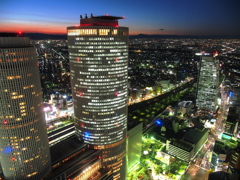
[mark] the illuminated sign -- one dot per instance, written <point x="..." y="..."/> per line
<point x="226" y="137"/>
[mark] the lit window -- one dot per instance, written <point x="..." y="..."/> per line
<point x="114" y="32"/>
<point x="10" y="77"/>
<point x="104" y="31"/>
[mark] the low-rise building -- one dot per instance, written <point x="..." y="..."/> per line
<point x="186" y="107"/>
<point x="188" y="146"/>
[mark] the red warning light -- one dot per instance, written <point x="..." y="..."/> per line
<point x="19" y="32"/>
<point x="78" y="59"/>
<point x="106" y="14"/>
<point x="116" y="93"/>
<point x="116" y="59"/>
<point x="13" y="158"/>
<point x="99" y="157"/>
<point x="5" y="122"/>
<point x="82" y="125"/>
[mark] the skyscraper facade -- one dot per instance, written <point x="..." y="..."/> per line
<point x="24" y="149"/>
<point x="98" y="51"/>
<point x="208" y="81"/>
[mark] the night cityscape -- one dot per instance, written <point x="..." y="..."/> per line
<point x="127" y="91"/>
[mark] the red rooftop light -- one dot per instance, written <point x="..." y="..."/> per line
<point x="5" y="122"/>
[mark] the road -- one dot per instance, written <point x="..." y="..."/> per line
<point x="200" y="169"/>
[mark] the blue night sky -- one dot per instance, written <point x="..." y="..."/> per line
<point x="175" y="17"/>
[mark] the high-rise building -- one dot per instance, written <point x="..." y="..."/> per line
<point x="24" y="149"/>
<point x="208" y="81"/>
<point x="98" y="51"/>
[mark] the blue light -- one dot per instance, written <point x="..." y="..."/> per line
<point x="231" y="94"/>
<point x="8" y="150"/>
<point x="158" y="122"/>
<point x="86" y="134"/>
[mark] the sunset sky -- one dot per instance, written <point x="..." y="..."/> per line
<point x="172" y="17"/>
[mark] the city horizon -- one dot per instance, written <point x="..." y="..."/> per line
<point x="201" y="18"/>
<point x="86" y="95"/>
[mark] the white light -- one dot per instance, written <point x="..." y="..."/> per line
<point x="145" y="152"/>
<point x="46" y="109"/>
<point x="57" y="123"/>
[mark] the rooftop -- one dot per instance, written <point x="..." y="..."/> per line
<point x="65" y="148"/>
<point x="194" y="135"/>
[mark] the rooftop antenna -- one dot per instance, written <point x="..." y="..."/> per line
<point x="80" y="16"/>
<point x="91" y="15"/>
<point x="86" y="16"/>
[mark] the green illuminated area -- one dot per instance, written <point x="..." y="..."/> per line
<point x="147" y="112"/>
<point x="58" y="123"/>
<point x="155" y="164"/>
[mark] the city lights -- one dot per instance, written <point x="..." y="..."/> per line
<point x="101" y="103"/>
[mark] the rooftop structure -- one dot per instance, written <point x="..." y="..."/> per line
<point x="100" y="21"/>
<point x="194" y="135"/>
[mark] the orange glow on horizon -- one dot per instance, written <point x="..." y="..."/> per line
<point x="62" y="30"/>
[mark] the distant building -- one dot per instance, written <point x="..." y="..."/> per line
<point x="186" y="107"/>
<point x="163" y="83"/>
<point x="98" y="53"/>
<point x="208" y="81"/>
<point x="24" y="143"/>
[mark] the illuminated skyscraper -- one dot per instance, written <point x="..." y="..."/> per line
<point x="24" y="150"/>
<point x="208" y="81"/>
<point x="98" y="52"/>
